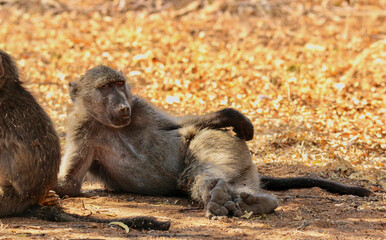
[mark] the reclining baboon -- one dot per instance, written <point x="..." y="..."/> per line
<point x="133" y="147"/>
<point x="30" y="156"/>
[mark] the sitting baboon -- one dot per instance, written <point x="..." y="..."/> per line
<point x="29" y="146"/>
<point x="30" y="155"/>
<point x="133" y="147"/>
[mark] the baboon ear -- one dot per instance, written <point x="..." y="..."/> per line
<point x="74" y="90"/>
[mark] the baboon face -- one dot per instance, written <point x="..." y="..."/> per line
<point x="105" y="96"/>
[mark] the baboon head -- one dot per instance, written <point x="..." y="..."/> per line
<point x="8" y="70"/>
<point x="104" y="94"/>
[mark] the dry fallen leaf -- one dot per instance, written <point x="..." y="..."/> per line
<point x="122" y="225"/>
<point x="247" y="215"/>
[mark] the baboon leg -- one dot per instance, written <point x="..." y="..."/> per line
<point x="214" y="159"/>
<point x="216" y="155"/>
<point x="16" y="192"/>
<point x="98" y="171"/>
<point x="19" y="188"/>
<point x="11" y="202"/>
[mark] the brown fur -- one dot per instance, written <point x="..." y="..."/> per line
<point x="29" y="146"/>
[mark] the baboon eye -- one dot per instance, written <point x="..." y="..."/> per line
<point x="107" y="85"/>
<point x="120" y="83"/>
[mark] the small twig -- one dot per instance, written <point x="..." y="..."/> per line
<point x="303" y="225"/>
<point x="84" y="207"/>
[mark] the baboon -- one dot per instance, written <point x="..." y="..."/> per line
<point x="30" y="155"/>
<point x="29" y="146"/>
<point x="133" y="147"/>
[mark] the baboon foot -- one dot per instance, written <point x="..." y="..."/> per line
<point x="51" y="199"/>
<point x="220" y="203"/>
<point x="256" y="203"/>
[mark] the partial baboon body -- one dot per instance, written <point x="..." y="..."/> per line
<point x="133" y="147"/>
<point x="29" y="146"/>
<point x="30" y="155"/>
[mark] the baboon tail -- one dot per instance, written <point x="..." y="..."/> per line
<point x="57" y="214"/>
<point x="277" y="184"/>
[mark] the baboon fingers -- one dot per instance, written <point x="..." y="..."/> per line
<point x="51" y="193"/>
<point x="220" y="194"/>
<point x="214" y="209"/>
<point x="221" y="203"/>
<point x="51" y="199"/>
<point x="233" y="208"/>
<point x="249" y="198"/>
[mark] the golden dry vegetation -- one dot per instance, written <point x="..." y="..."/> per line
<point x="309" y="74"/>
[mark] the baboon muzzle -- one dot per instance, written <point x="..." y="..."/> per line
<point x="123" y="111"/>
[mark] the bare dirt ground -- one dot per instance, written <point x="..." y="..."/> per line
<point x="302" y="214"/>
<point x="309" y="74"/>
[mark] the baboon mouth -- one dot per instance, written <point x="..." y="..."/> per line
<point x="120" y="122"/>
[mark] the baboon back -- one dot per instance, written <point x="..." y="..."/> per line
<point x="29" y="146"/>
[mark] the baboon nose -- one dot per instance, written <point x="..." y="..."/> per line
<point x="124" y="112"/>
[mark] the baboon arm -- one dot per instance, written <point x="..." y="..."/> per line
<point x="75" y="164"/>
<point x="227" y="117"/>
